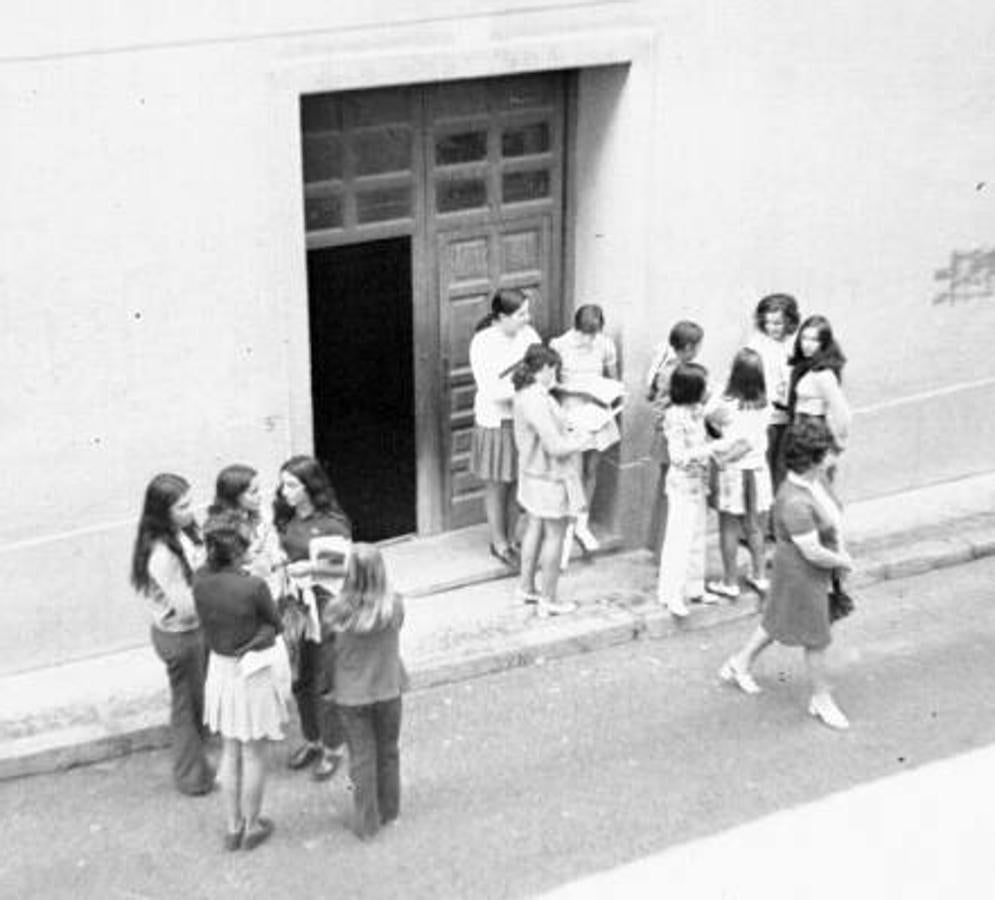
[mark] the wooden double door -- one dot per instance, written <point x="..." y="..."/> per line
<point x="470" y="174"/>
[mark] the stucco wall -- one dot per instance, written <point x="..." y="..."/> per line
<point x="152" y="286"/>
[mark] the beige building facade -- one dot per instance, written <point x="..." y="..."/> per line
<point x="233" y="237"/>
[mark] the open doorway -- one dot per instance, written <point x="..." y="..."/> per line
<point x="362" y="381"/>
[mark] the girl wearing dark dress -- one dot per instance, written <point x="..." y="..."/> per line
<point x="306" y="508"/>
<point x="809" y="547"/>
<point x="166" y="551"/>
<point x="248" y="677"/>
<point x="369" y="677"/>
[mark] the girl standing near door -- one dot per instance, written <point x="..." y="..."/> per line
<point x="498" y="345"/>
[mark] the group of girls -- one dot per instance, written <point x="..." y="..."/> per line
<point x="533" y="451"/>
<point x="222" y="597"/>
<point x="730" y="448"/>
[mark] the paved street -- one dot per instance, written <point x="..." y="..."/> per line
<point x="519" y="783"/>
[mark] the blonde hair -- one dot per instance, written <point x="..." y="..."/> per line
<point x="366" y="602"/>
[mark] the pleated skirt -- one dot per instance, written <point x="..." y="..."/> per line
<point x="246" y="699"/>
<point x="493" y="455"/>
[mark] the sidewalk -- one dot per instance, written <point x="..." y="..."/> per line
<point x="462" y="623"/>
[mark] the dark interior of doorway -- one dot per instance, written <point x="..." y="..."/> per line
<point x="362" y="381"/>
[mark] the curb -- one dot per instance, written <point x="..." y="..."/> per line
<point x="599" y="626"/>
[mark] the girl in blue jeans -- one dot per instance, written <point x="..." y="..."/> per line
<point x="369" y="678"/>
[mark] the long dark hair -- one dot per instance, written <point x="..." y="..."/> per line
<point x="156" y="524"/>
<point x="505" y="302"/>
<point x="536" y="358"/>
<point x="232" y="482"/>
<point x="828" y="356"/>
<point x="309" y="472"/>
<point x="746" y="380"/>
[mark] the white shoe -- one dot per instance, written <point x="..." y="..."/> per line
<point x="585" y="536"/>
<point x="761" y="585"/>
<point x="724" y="590"/>
<point x="732" y="674"/>
<point x="678" y="609"/>
<point x="824" y="707"/>
<point x="546" y="608"/>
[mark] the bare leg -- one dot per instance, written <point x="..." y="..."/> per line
<point x="531" y="539"/>
<point x="822" y="704"/>
<point x="230" y="776"/>
<point x="592" y="459"/>
<point x="815" y="662"/>
<point x="253" y="781"/>
<point x="753" y="525"/>
<point x="754" y="646"/>
<point x="553" y="532"/>
<point x="512" y="519"/>
<point x="495" y="501"/>
<point x="729" y="546"/>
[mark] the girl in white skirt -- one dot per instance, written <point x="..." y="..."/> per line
<point x="744" y="496"/>
<point x="248" y="675"/>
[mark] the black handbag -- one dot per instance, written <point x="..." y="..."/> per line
<point x="840" y="602"/>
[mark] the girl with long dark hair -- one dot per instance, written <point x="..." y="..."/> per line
<point x="167" y="549"/>
<point x="816" y="382"/>
<point x="237" y="491"/>
<point x="305" y="508"/>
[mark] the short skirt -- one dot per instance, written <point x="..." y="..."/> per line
<point x="744" y="492"/>
<point x="246" y="699"/>
<point x="493" y="455"/>
<point x="551" y="498"/>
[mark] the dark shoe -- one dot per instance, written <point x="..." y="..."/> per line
<point x="507" y="556"/>
<point x="259" y="835"/>
<point x="233" y="839"/>
<point x="303" y="756"/>
<point x="327" y="766"/>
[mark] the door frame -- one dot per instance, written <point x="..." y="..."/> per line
<point x="442" y="56"/>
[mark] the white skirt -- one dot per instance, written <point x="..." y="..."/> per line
<point x="246" y="699"/>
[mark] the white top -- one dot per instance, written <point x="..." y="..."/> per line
<point x="777" y="372"/>
<point x="583" y="357"/>
<point x="749" y="425"/>
<point x="820" y="394"/>
<point x="170" y="597"/>
<point x="492" y="355"/>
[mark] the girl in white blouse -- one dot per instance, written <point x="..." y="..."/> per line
<point x="498" y="345"/>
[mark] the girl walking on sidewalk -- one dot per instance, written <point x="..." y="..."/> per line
<point x="167" y="549"/>
<point x="807" y="521"/>
<point x="366" y="618"/>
